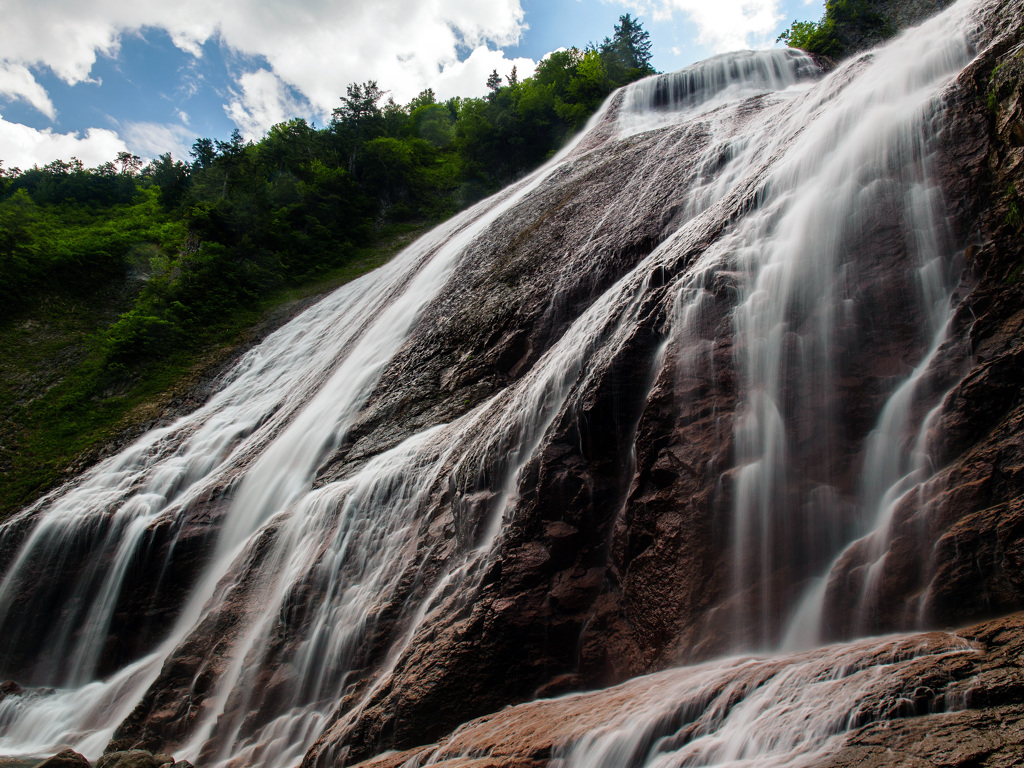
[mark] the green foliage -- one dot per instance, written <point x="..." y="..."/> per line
<point x="627" y="54"/>
<point x="71" y="247"/>
<point x="1004" y="81"/>
<point x="845" y="22"/>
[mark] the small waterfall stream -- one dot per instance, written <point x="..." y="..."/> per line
<point x="307" y="580"/>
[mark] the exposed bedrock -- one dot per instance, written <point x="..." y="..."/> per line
<point x="951" y="700"/>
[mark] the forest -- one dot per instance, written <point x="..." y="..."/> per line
<point x="145" y="265"/>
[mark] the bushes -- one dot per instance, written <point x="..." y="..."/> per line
<point x="73" y="248"/>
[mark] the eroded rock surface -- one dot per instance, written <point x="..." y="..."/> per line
<point x="944" y="700"/>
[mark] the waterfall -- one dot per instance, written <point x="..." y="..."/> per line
<point x="289" y="569"/>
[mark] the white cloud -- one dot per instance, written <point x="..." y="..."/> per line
<point x="314" y="46"/>
<point x="17" y="82"/>
<point x="722" y="25"/>
<point x="469" y="77"/>
<point x="147" y="140"/>
<point x="24" y="147"/>
<point x="265" y="101"/>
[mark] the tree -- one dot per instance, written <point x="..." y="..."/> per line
<point x="130" y="164"/>
<point x="628" y="49"/>
<point x="171" y="177"/>
<point x="203" y="152"/>
<point x="425" y="98"/>
<point x="513" y="78"/>
<point x="359" y="103"/>
<point x="232" y="148"/>
<point x="493" y="81"/>
<point x="357" y="115"/>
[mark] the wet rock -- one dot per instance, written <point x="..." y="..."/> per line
<point x="10" y="688"/>
<point x="644" y="583"/>
<point x="66" y="758"/>
<point x="134" y="758"/>
<point x="933" y="707"/>
<point x="618" y="553"/>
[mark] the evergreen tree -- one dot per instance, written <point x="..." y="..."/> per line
<point x="358" y="115"/>
<point x="203" y="153"/>
<point x="425" y="98"/>
<point x="629" y="48"/>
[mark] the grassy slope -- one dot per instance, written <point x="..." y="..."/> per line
<point x="56" y="417"/>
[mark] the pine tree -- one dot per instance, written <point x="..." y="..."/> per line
<point x="630" y="47"/>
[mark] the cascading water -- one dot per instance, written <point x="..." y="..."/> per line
<point x="871" y="148"/>
<point x="304" y="586"/>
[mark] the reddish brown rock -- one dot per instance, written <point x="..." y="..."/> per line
<point x="935" y="707"/>
<point x="66" y="758"/>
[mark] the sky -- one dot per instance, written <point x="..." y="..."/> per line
<point x="91" y="78"/>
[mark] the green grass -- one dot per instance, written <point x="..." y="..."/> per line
<point x="60" y="402"/>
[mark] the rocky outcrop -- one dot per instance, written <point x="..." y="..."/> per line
<point x="134" y="758"/>
<point x="954" y="549"/>
<point x="631" y="488"/>
<point x="945" y="700"/>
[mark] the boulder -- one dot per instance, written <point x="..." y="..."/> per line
<point x="134" y="758"/>
<point x="66" y="758"/>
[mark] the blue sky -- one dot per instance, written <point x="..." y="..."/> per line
<point x="90" y="78"/>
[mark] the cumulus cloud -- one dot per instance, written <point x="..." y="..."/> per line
<point x="264" y="101"/>
<point x="16" y="82"/>
<point x="312" y="49"/>
<point x="315" y="47"/>
<point x="469" y="77"/>
<point x="24" y="146"/>
<point x="722" y="25"/>
<point x="147" y="140"/>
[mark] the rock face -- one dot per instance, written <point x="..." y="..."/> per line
<point x="945" y="700"/>
<point x="745" y="377"/>
<point x="134" y="758"/>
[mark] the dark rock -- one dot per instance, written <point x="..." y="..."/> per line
<point x="66" y="758"/>
<point x="618" y="555"/>
<point x="10" y="688"/>
<point x="133" y="758"/>
<point x="951" y="705"/>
